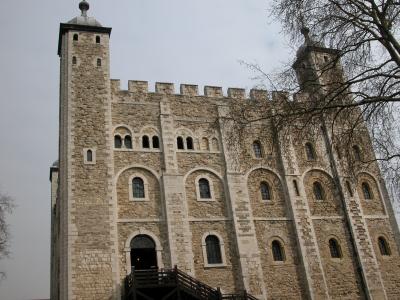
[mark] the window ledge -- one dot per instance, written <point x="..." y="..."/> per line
<point x="139" y="199"/>
<point x="210" y="266"/>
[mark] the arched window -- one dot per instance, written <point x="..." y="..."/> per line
<point x="318" y="191"/>
<point x="138" y="187"/>
<point x="310" y="151"/>
<point x="204" y="144"/>
<point x="215" y="145"/>
<point x="366" y="191"/>
<point x="349" y="190"/>
<point x="265" y="191"/>
<point x="204" y="189"/>
<point x="76" y="37"/>
<point x="257" y="149"/>
<point x="145" y="142"/>
<point x="179" y="143"/>
<point x="128" y="142"/>
<point x="117" y="141"/>
<point x="357" y="153"/>
<point x="334" y="248"/>
<point x="213" y="249"/>
<point x="97" y="39"/>
<point x="277" y="251"/>
<point x="383" y="246"/>
<point x="296" y="188"/>
<point x="189" y="143"/>
<point x="89" y="156"/>
<point x="156" y="142"/>
<point x="99" y="62"/>
<point x="74" y="60"/>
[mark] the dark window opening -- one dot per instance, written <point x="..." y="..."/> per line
<point x="296" y="188"/>
<point x="334" y="248"/>
<point x="357" y="153"/>
<point x="74" y="60"/>
<point x="383" y="246"/>
<point x="89" y="156"/>
<point x="339" y="154"/>
<point x="76" y="37"/>
<point x="257" y="149"/>
<point x="349" y="190"/>
<point x="213" y="250"/>
<point x="277" y="251"/>
<point x="326" y="58"/>
<point x="204" y="188"/>
<point x="97" y="39"/>
<point x="128" y="142"/>
<point x="145" y="142"/>
<point x="318" y="191"/>
<point x="138" y="187"/>
<point x="265" y="191"/>
<point x="179" y="142"/>
<point x="366" y="191"/>
<point x="189" y="143"/>
<point x="117" y="141"/>
<point x="156" y="142"/>
<point x="310" y="151"/>
<point x="143" y="253"/>
<point x="99" y="62"/>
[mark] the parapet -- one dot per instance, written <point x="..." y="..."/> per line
<point x="192" y="90"/>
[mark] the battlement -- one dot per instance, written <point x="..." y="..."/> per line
<point x="165" y="88"/>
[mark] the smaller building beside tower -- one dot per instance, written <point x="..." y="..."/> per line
<point x="147" y="185"/>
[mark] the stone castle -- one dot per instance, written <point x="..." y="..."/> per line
<point x="147" y="181"/>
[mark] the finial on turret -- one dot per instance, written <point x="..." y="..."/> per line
<point x="84" y="7"/>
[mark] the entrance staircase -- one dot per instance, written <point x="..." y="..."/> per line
<point x="173" y="284"/>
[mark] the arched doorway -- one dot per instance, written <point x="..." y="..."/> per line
<point x="143" y="253"/>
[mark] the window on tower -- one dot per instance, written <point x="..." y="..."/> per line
<point x="97" y="39"/>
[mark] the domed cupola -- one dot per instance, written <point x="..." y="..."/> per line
<point x="84" y="19"/>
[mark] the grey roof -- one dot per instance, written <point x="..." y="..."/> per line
<point x="83" y="19"/>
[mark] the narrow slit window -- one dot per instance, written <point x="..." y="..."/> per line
<point x="189" y="143"/>
<point x="74" y="60"/>
<point x="366" y="191"/>
<point x="296" y="188"/>
<point x="128" y="142"/>
<point x="310" y="151"/>
<point x="156" y="142"/>
<point x="76" y="37"/>
<point x="213" y="249"/>
<point x="318" y="191"/>
<point x="179" y="143"/>
<point x="145" y="142"/>
<point x="277" y="251"/>
<point x="138" y="187"/>
<point x="204" y="188"/>
<point x="257" y="149"/>
<point x="89" y="156"/>
<point x="383" y="246"/>
<point x="99" y="62"/>
<point x="117" y="142"/>
<point x="97" y="39"/>
<point x="357" y="153"/>
<point x="349" y="190"/>
<point x="265" y="191"/>
<point x="334" y="249"/>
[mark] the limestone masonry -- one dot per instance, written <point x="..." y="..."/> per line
<point x="147" y="180"/>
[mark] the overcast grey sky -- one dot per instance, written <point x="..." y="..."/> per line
<point x="198" y="41"/>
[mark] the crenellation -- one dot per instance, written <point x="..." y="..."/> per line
<point x="189" y="90"/>
<point x="236" y="93"/>
<point x="165" y="88"/>
<point x="213" y="91"/>
<point x="257" y="94"/>
<point x="137" y="86"/>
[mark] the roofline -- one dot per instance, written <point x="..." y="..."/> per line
<point x="316" y="49"/>
<point x="65" y="27"/>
